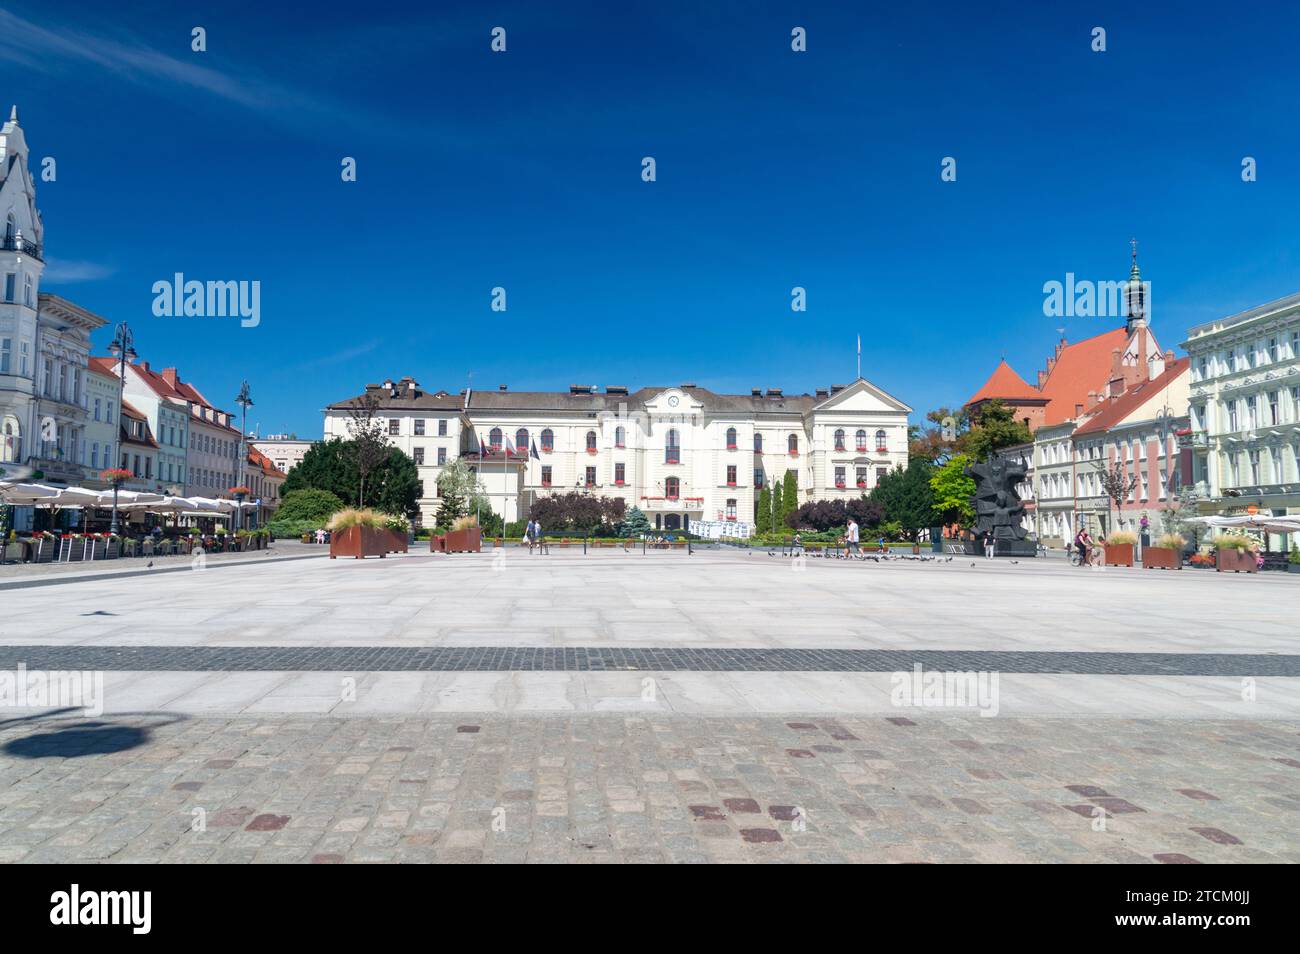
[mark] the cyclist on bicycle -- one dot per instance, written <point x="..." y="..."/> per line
<point x="1083" y="543"/>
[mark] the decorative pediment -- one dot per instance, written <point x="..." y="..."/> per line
<point x="862" y="396"/>
<point x="674" y="401"/>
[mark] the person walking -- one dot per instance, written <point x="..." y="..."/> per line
<point x="851" y="540"/>
<point x="528" y="534"/>
<point x="990" y="545"/>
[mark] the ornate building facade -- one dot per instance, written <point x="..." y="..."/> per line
<point x="681" y="454"/>
<point x="1244" y="434"/>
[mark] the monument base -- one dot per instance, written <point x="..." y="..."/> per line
<point x="1004" y="548"/>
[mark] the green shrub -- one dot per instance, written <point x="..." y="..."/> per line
<point x="354" y="517"/>
<point x="294" y="528"/>
<point x="309" y="504"/>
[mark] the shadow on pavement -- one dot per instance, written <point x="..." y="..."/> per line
<point x="84" y="736"/>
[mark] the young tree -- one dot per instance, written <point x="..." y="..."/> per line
<point x="1116" y="484"/>
<point x="635" y="524"/>
<point x="789" y="497"/>
<point x="368" y="444"/>
<point x="776" y="522"/>
<point x="763" y="511"/>
<point x="995" y="429"/>
<point x="953" y="492"/>
<point x="459" y="493"/>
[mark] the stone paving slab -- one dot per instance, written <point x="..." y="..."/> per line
<point x="647" y="788"/>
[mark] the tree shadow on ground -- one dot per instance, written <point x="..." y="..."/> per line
<point x="83" y="737"/>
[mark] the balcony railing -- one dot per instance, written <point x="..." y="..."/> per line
<point x="14" y="243"/>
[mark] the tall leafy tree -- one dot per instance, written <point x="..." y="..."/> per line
<point x="907" y="498"/>
<point x="954" y="491"/>
<point x="325" y="466"/>
<point x="995" y="429"/>
<point x="778" y="508"/>
<point x="943" y="436"/>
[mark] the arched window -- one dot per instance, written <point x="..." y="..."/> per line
<point x="591" y="442"/>
<point x="521" y="439"/>
<point x="672" y="488"/>
<point x="880" y="441"/>
<point x="731" y="438"/>
<point x="548" y="440"/>
<point x="839" y="440"/>
<point x="494" y="439"/>
<point x="861" y="437"/>
<point x="11" y="441"/>
<point x="758" y="443"/>
<point x="620" y="437"/>
<point x="792" y="445"/>
<point x="672" y="448"/>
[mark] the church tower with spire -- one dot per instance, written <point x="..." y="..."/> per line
<point x="1136" y="300"/>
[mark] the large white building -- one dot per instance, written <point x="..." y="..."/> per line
<point x="681" y="453"/>
<point x="44" y="339"/>
<point x="1245" y="409"/>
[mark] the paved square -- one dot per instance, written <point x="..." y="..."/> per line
<point x="619" y="706"/>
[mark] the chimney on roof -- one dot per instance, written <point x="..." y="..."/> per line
<point x="1116" y="366"/>
<point x="388" y="383"/>
<point x="689" y="384"/>
<point x="823" y="392"/>
<point x="774" y="392"/>
<point x="503" y="387"/>
<point x="144" y="365"/>
<point x="1169" y="358"/>
<point x="835" y="388"/>
<point x="582" y="388"/>
<point x="1078" y="410"/>
<point x="1093" y="399"/>
<point x="171" y="377"/>
<point x="756" y="392"/>
<point x="616" y="389"/>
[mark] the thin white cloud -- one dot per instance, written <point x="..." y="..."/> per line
<point x="33" y="46"/>
<point x="66" y="272"/>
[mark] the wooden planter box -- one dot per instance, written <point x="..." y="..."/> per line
<point x="1235" y="561"/>
<point x="469" y="540"/>
<point x="1119" y="555"/>
<point x="1162" y="558"/>
<point x="437" y="543"/>
<point x="397" y="542"/>
<point x="359" y="542"/>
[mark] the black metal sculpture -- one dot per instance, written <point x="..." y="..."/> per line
<point x="998" y="507"/>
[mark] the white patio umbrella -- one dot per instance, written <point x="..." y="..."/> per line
<point x="129" y="497"/>
<point x="75" y="497"/>
<point x="14" y="494"/>
<point x="1268" y="524"/>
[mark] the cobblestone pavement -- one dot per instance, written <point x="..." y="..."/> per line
<point x="595" y="659"/>
<point x="607" y="788"/>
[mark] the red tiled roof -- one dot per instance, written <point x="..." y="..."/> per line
<point x="258" y="459"/>
<point x="1006" y="385"/>
<point x="1081" y="367"/>
<point x="1114" y="412"/>
<point x="130" y="411"/>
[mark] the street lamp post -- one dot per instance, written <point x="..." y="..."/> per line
<point x="120" y="348"/>
<point x="245" y="401"/>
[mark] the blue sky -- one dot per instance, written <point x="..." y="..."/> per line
<point x="775" y="169"/>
